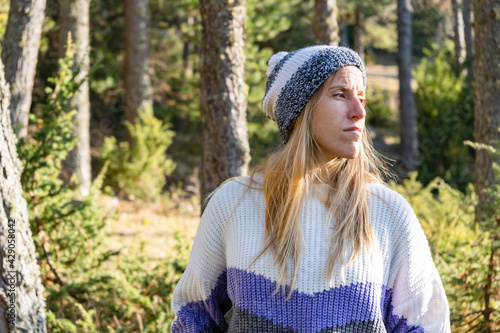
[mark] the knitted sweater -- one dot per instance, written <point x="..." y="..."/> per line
<point x="395" y="288"/>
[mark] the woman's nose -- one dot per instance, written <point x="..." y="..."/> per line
<point x="357" y="109"/>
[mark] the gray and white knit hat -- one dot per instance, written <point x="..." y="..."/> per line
<point x="294" y="77"/>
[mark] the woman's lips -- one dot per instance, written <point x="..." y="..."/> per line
<point x="353" y="129"/>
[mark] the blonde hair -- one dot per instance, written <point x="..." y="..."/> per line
<point x="291" y="172"/>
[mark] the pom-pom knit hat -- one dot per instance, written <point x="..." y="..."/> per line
<point x="294" y="77"/>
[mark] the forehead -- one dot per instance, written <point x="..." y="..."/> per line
<point x="349" y="76"/>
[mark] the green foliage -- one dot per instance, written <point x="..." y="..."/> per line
<point x="60" y="219"/>
<point x="462" y="249"/>
<point x="141" y="169"/>
<point x="486" y="248"/>
<point x="378" y="19"/>
<point x="445" y="118"/>
<point x="82" y="293"/>
<point x="4" y="10"/>
<point x="134" y="296"/>
<point x="270" y="28"/>
<point x="427" y="17"/>
<point x="68" y="230"/>
<point x="380" y="114"/>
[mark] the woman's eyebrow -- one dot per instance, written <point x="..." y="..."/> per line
<point x="344" y="86"/>
<point x="340" y="86"/>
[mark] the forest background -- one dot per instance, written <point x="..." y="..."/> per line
<point x="110" y="248"/>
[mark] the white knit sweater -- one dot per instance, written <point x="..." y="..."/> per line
<point x="394" y="289"/>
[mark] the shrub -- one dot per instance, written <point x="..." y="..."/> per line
<point x="445" y="118"/>
<point x="380" y="114"/>
<point x="140" y="170"/>
<point x="463" y="251"/>
<point x="68" y="230"/>
<point x="82" y="294"/>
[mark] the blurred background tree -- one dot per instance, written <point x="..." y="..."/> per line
<point x="74" y="29"/>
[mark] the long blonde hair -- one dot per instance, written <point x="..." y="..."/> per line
<point x="291" y="172"/>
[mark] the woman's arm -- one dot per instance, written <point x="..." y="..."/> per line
<point x="200" y="298"/>
<point x="417" y="299"/>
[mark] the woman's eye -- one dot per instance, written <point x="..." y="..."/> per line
<point x="339" y="95"/>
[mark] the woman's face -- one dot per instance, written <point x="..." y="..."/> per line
<point x="338" y="120"/>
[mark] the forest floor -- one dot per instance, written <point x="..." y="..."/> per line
<point x="151" y="225"/>
<point x="154" y="224"/>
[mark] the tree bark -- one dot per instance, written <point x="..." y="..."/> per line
<point x="20" y="281"/>
<point x="326" y="28"/>
<point x="468" y="30"/>
<point x="138" y="91"/>
<point x="486" y="93"/>
<point x="408" y="114"/>
<point x="458" y="30"/>
<point x="359" y="34"/>
<point x="20" y="56"/>
<point x="74" y="21"/>
<point x="223" y="93"/>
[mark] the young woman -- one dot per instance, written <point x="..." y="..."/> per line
<point x="312" y="241"/>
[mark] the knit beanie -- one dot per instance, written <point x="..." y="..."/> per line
<point x="294" y="77"/>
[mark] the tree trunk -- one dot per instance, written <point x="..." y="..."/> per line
<point x="74" y="20"/>
<point x="344" y="35"/>
<point x="21" y="290"/>
<point x="138" y="91"/>
<point x="326" y="28"/>
<point x="458" y="30"/>
<point x="20" y="55"/>
<point x="223" y="93"/>
<point x="187" y="61"/>
<point x="359" y="34"/>
<point x="408" y="114"/>
<point x="468" y="31"/>
<point x="486" y="92"/>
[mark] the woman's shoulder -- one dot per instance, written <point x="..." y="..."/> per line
<point x="233" y="189"/>
<point x="388" y="203"/>
<point x="238" y="185"/>
<point x="381" y="193"/>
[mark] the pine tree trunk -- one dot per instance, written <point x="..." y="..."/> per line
<point x="458" y="30"/>
<point x="138" y="91"/>
<point x="20" y="274"/>
<point x="408" y="114"/>
<point x="223" y="93"/>
<point x="326" y="28"/>
<point x="344" y="35"/>
<point x="187" y="61"/>
<point x="74" y="20"/>
<point x="20" y="56"/>
<point x="359" y="35"/>
<point x="486" y="92"/>
<point x="468" y="31"/>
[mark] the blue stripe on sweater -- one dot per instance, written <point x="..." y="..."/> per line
<point x="302" y="312"/>
<point x="306" y="312"/>
<point x="196" y="316"/>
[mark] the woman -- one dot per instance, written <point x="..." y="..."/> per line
<point x="312" y="241"/>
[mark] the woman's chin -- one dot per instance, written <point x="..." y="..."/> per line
<point x="351" y="153"/>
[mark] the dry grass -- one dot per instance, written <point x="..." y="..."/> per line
<point x="153" y="224"/>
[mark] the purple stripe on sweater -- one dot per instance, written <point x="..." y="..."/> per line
<point x="306" y="312"/>
<point x="396" y="324"/>
<point x="302" y="312"/>
<point x="195" y="316"/>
